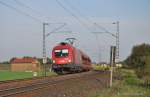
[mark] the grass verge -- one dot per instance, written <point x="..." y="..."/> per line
<point x="129" y="86"/>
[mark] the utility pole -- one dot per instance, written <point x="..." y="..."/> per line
<point x="44" y="49"/>
<point x="44" y="41"/>
<point x="112" y="62"/>
<point x="117" y="41"/>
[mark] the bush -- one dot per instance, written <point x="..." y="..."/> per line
<point x="139" y="60"/>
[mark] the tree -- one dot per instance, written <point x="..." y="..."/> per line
<point x="139" y="60"/>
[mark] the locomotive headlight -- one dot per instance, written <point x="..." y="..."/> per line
<point x="69" y="60"/>
<point x="53" y="61"/>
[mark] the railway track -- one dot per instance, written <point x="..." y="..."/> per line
<point x="17" y="80"/>
<point x="13" y="83"/>
<point x="25" y="79"/>
<point x="9" y="92"/>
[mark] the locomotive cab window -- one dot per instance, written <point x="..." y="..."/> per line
<point x="61" y="53"/>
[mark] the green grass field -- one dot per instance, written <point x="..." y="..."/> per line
<point x="8" y="75"/>
<point x="129" y="86"/>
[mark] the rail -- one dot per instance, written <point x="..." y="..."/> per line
<point x="43" y="84"/>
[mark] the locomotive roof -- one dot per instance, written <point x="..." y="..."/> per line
<point x="63" y="44"/>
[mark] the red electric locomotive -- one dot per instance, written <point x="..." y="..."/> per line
<point x="67" y="58"/>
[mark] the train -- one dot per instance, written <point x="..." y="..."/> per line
<point x="68" y="59"/>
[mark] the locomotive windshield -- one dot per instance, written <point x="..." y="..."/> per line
<point x="61" y="53"/>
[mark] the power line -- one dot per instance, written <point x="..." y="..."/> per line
<point x="106" y="31"/>
<point x="19" y="11"/>
<point x="35" y="11"/>
<point x="22" y="4"/>
<point x="28" y="7"/>
<point x="75" y="8"/>
<point x="40" y="14"/>
<point x="99" y="26"/>
<point x="89" y="20"/>
<point x="72" y="14"/>
<point x="54" y="30"/>
<point x="86" y="18"/>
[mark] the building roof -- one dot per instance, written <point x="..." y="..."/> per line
<point x="24" y="60"/>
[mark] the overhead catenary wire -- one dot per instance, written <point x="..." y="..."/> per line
<point x="37" y="12"/>
<point x="26" y="14"/>
<point x="30" y="8"/>
<point x="87" y="19"/>
<point x="106" y="31"/>
<point x="56" y="29"/>
<point x="21" y="12"/>
<point x="78" y="11"/>
<point x="24" y="5"/>
<point x="72" y="14"/>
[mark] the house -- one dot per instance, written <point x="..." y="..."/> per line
<point x="25" y="64"/>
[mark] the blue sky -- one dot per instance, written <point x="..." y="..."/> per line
<point x="21" y="35"/>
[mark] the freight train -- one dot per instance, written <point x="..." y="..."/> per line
<point x="68" y="59"/>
